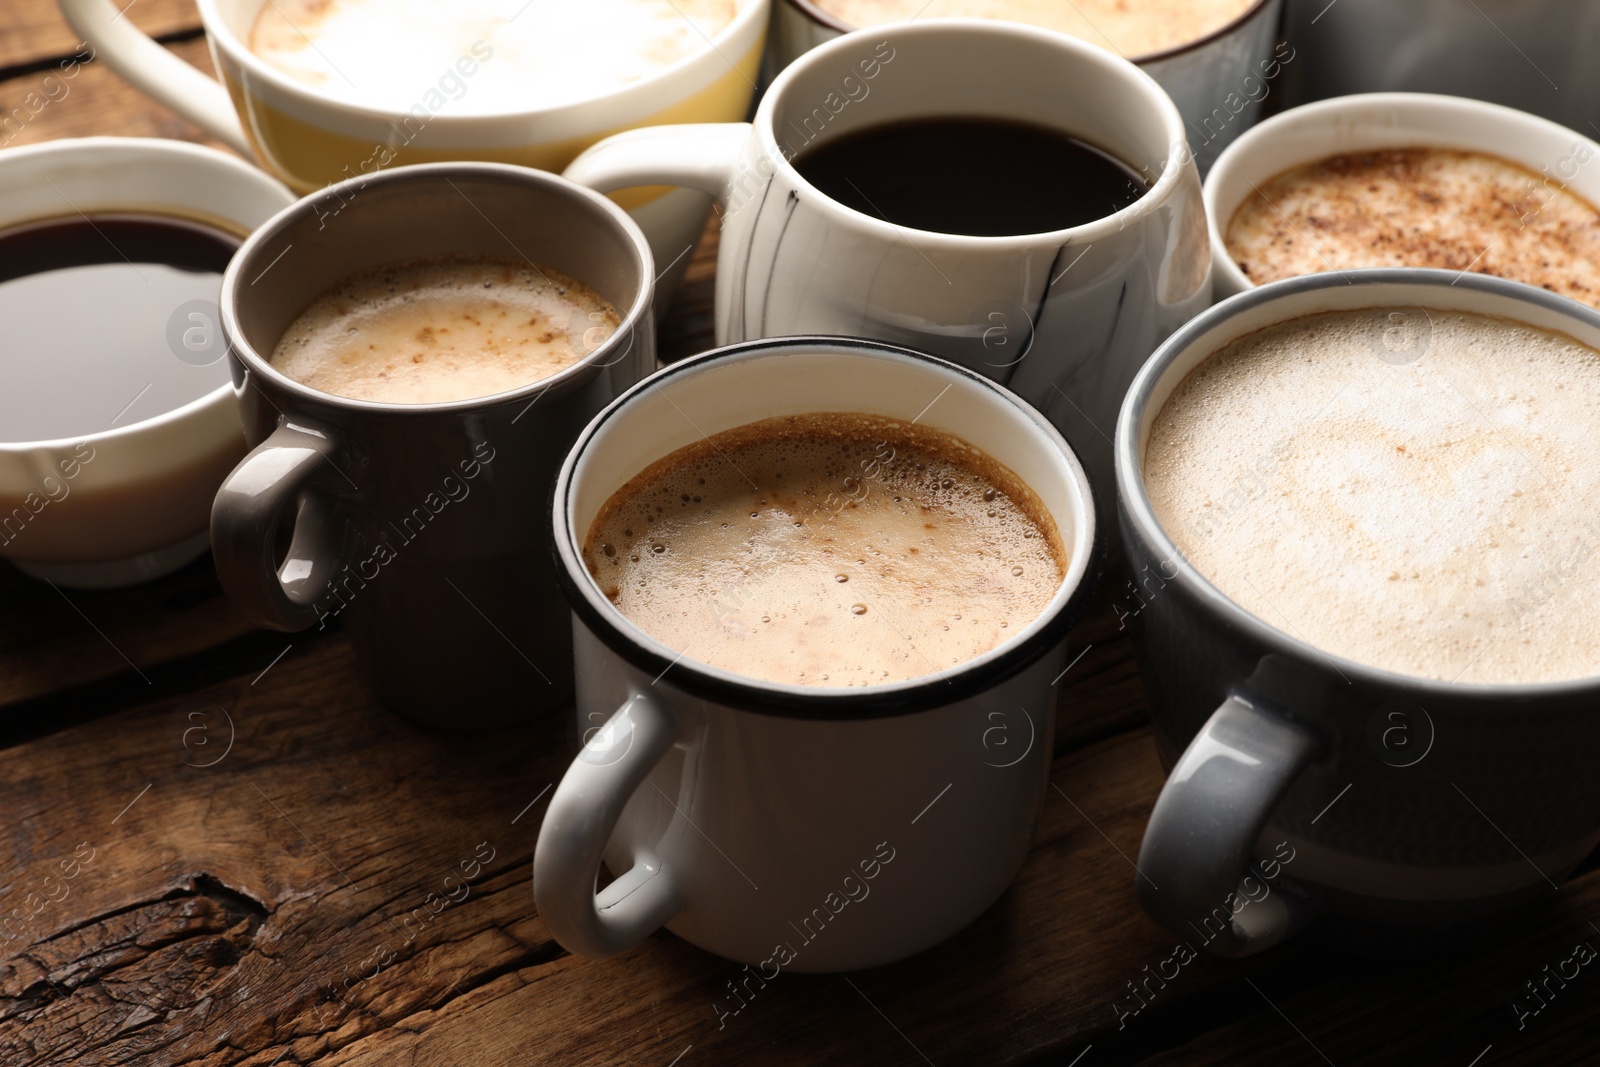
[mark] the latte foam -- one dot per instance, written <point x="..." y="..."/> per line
<point x="1419" y="494"/>
<point x="448" y="328"/>
<point x="480" y="56"/>
<point x="827" y="550"/>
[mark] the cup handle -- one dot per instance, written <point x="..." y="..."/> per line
<point x="582" y="815"/>
<point x="1197" y="847"/>
<point x="293" y="466"/>
<point x="699" y="156"/>
<point x="155" y="71"/>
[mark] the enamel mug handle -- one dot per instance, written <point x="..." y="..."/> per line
<point x="294" y="467"/>
<point x="699" y="156"/>
<point x="583" y="813"/>
<point x="1217" y="800"/>
<point x="155" y="71"/>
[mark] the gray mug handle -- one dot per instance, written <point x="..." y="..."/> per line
<point x="1215" y="804"/>
<point x="293" y="466"/>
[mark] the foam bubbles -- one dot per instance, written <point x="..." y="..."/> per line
<point x="828" y="550"/>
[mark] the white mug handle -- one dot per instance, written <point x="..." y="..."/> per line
<point x="155" y="71"/>
<point x="699" y="156"/>
<point x="583" y="812"/>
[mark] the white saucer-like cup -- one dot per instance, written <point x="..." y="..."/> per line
<point x="132" y="502"/>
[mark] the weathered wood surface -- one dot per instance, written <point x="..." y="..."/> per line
<point x="216" y="855"/>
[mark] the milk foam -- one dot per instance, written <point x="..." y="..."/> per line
<point x="480" y="56"/>
<point x="827" y="550"/>
<point x="1420" y="207"/>
<point x="435" y="330"/>
<point x="1130" y="29"/>
<point x="1438" y="518"/>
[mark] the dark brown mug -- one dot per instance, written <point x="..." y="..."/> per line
<point x="423" y="528"/>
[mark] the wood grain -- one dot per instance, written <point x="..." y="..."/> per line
<point x="277" y="904"/>
<point x="33" y="31"/>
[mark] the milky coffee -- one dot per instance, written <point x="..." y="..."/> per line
<point x="1136" y="28"/>
<point x="1419" y="494"/>
<point x="1420" y="207"/>
<point x="827" y="550"/>
<point x="480" y="56"/>
<point x="441" y="329"/>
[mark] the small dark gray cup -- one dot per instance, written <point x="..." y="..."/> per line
<point x="1399" y="811"/>
<point x="422" y="527"/>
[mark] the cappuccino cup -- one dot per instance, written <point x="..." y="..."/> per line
<point x="454" y="99"/>
<point x="1341" y="755"/>
<point x="1063" y="318"/>
<point x="1558" y="163"/>
<point x="692" y="774"/>
<point x="416" y="518"/>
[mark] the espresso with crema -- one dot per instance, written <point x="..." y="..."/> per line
<point x="1414" y="490"/>
<point x="1420" y="207"/>
<point x="480" y="56"/>
<point x="827" y="550"/>
<point x="1128" y="27"/>
<point x="442" y="329"/>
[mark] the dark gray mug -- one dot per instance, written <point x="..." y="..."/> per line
<point x="1398" y="810"/>
<point x="422" y="527"/>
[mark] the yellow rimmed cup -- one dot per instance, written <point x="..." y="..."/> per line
<point x="309" y="137"/>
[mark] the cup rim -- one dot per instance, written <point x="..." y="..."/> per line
<point x="177" y="153"/>
<point x="758" y="696"/>
<point x="1134" y="503"/>
<point x="1236" y="156"/>
<point x="636" y="318"/>
<point x="810" y="10"/>
<point x="1179" y="157"/>
<point x="222" y="36"/>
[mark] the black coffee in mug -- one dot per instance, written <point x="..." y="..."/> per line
<point x="96" y="312"/>
<point x="980" y="177"/>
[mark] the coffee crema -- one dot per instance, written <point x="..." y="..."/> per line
<point x="827" y="550"/>
<point x="482" y="56"/>
<point x="1140" y="28"/>
<point x="1419" y="207"/>
<point x="1426" y="507"/>
<point x="447" y="328"/>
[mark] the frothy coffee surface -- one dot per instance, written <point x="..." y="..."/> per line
<point x="1417" y="494"/>
<point x="480" y="56"/>
<point x="828" y="550"/>
<point x="1420" y="207"/>
<point x="1127" y="27"/>
<point x="434" y="330"/>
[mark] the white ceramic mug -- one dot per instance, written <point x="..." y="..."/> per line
<point x="1219" y="81"/>
<point x="1064" y="319"/>
<point x="1557" y="155"/>
<point x="310" y="138"/>
<point x="133" y="501"/>
<point x="784" y="826"/>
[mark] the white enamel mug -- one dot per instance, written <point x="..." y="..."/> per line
<point x="1558" y="157"/>
<point x="783" y="826"/>
<point x="1064" y="319"/>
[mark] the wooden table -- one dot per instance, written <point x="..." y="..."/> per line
<point x="259" y="854"/>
